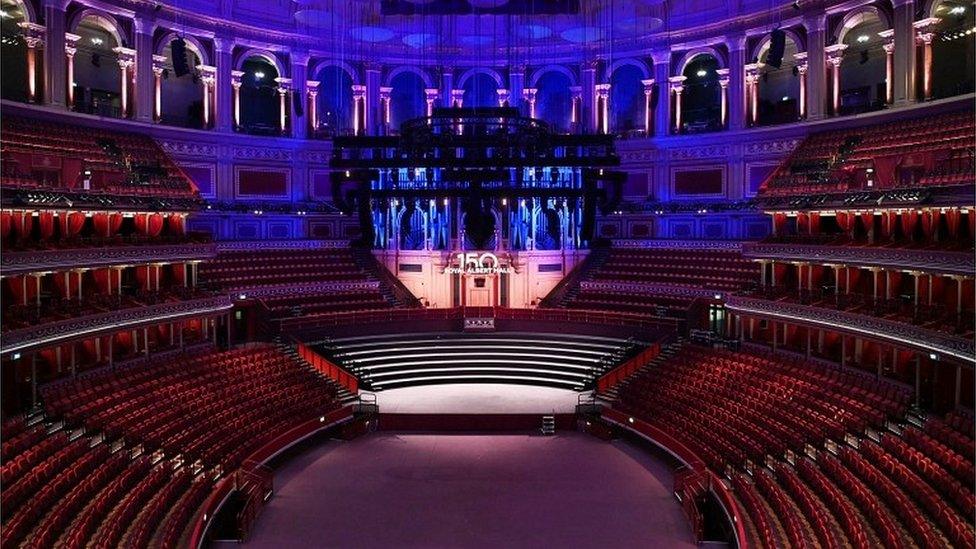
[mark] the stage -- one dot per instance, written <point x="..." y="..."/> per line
<point x="477" y="398"/>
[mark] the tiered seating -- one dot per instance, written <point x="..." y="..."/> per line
<point x="120" y="162"/>
<point x="716" y="270"/>
<point x="208" y="408"/>
<point x="735" y="408"/>
<point x="216" y="408"/>
<point x="325" y="302"/>
<point x="238" y="270"/>
<point x="939" y="146"/>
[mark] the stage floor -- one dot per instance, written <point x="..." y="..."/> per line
<point x="472" y="491"/>
<point x="477" y="398"/>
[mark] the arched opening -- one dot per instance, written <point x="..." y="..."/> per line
<point x="863" y="70"/>
<point x="779" y="88"/>
<point x="626" y="100"/>
<point x="181" y="98"/>
<point x="97" y="80"/>
<point x="407" y="99"/>
<point x="260" y="105"/>
<point x="13" y="52"/>
<point x="480" y="90"/>
<point x="701" y="103"/>
<point x="953" y="49"/>
<point x="554" y="100"/>
<point x="335" y="107"/>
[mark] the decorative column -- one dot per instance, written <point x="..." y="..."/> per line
<point x="159" y="65"/>
<point x="358" y="109"/>
<point x="55" y="48"/>
<point x="70" y="48"/>
<point x="127" y="60"/>
<point x="516" y="83"/>
<point x="723" y="81"/>
<point x="224" y="91"/>
<point x="529" y="95"/>
<point x="801" y="69"/>
<point x="752" y="91"/>
<point x="737" y="82"/>
<point x="142" y="88"/>
<point x="602" y="108"/>
<point x="312" y="89"/>
<point x="648" y="108"/>
<point x="385" y="108"/>
<point x="904" y="54"/>
<point x="447" y="86"/>
<point x="34" y="36"/>
<point x="677" y="87"/>
<point x="588" y="113"/>
<point x="235" y="84"/>
<point x="662" y="72"/>
<point x="208" y="77"/>
<point x="817" y="82"/>
<point x="431" y="95"/>
<point x="372" y="117"/>
<point x="299" y="75"/>
<point x="284" y="85"/>
<point x="457" y="98"/>
<point x="889" y="49"/>
<point x="576" y="107"/>
<point x="924" y="37"/>
<point x="835" y="56"/>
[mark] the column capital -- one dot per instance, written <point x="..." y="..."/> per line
<point x="158" y="64"/>
<point x="358" y="90"/>
<point x="926" y="25"/>
<point x="815" y="22"/>
<point x="529" y="93"/>
<point x="648" y="86"/>
<point x="660" y="57"/>
<point x="736" y="42"/>
<point x="576" y="91"/>
<point x="602" y="89"/>
<point x="677" y="83"/>
<point x="127" y="56"/>
<point x="723" y="77"/>
<point x="312" y="86"/>
<point x="235" y="78"/>
<point x="835" y="53"/>
<point x="385" y="92"/>
<point x="431" y="93"/>
<point x="208" y="74"/>
<point x="223" y="44"/>
<point x="300" y="58"/>
<point x="71" y="43"/>
<point x="752" y="69"/>
<point x="284" y="84"/>
<point x="457" y="94"/>
<point x="32" y="32"/>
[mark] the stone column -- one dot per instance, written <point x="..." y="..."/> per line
<point x="924" y="36"/>
<point x="516" y="83"/>
<point x="457" y="98"/>
<point x="648" y="110"/>
<point x="70" y="48"/>
<point x="588" y="113"/>
<point x="312" y="105"/>
<point x="528" y="95"/>
<point x="737" y="82"/>
<point x="904" y="55"/>
<point x="504" y="97"/>
<point x="208" y="77"/>
<point x="142" y="88"/>
<point x="889" y="49"/>
<point x="662" y="72"/>
<point x="385" y="114"/>
<point x="235" y="84"/>
<point x="835" y="56"/>
<point x="33" y="35"/>
<point x="226" y="94"/>
<point x="431" y="95"/>
<point x="752" y="71"/>
<point x="372" y="118"/>
<point x="576" y="108"/>
<point x="801" y="69"/>
<point x="299" y="76"/>
<point x="447" y="86"/>
<point x="723" y="81"/>
<point x="359" y="109"/>
<point x="602" y="108"/>
<point x="55" y="48"/>
<point x="284" y="86"/>
<point x="159" y="65"/>
<point x="126" y="60"/>
<point x="677" y="87"/>
<point x="817" y="82"/>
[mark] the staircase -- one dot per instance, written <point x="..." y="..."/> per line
<point x="569" y="286"/>
<point x="609" y="396"/>
<point x="392" y="289"/>
<point x="342" y="394"/>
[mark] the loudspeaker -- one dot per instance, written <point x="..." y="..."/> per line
<point x="178" y="53"/>
<point x="777" y="45"/>
<point x="299" y="107"/>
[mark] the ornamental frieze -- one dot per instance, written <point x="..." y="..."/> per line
<point x="13" y="263"/>
<point x="650" y="244"/>
<point x="188" y="148"/>
<point x="633" y="288"/>
<point x="285" y="290"/>
<point x="857" y="324"/>
<point x="689" y="153"/>
<point x="249" y="245"/>
<point x="54" y="333"/>
<point x="928" y="261"/>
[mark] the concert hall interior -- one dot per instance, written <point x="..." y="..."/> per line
<point x="487" y="273"/>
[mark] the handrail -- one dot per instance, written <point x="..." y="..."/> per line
<point x="328" y="368"/>
<point x="690" y="459"/>
<point x="622" y="372"/>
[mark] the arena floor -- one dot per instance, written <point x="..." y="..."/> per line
<point x="477" y="398"/>
<point x="447" y="491"/>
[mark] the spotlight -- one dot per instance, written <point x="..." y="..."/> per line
<point x="786" y="98"/>
<point x="4" y="14"/>
<point x="957" y="10"/>
<point x="258" y="75"/>
<point x="701" y="73"/>
<point x="863" y="38"/>
<point x="97" y="41"/>
<point x="796" y="5"/>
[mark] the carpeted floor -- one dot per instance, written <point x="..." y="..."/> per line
<point x="498" y="491"/>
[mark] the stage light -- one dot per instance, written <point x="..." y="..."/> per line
<point x="242" y="296"/>
<point x="863" y="38"/>
<point x="630" y="420"/>
<point x="258" y="75"/>
<point x="97" y="41"/>
<point x="957" y="10"/>
<point x="701" y="73"/>
<point x="933" y="356"/>
<point x="786" y="98"/>
<point x="4" y="14"/>
<point x="16" y="356"/>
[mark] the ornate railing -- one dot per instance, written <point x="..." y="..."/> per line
<point x="929" y="261"/>
<point x="13" y="263"/>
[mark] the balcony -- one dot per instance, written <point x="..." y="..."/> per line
<point x="931" y="261"/>
<point x="95" y="255"/>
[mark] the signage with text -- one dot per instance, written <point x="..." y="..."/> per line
<point x="477" y="264"/>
